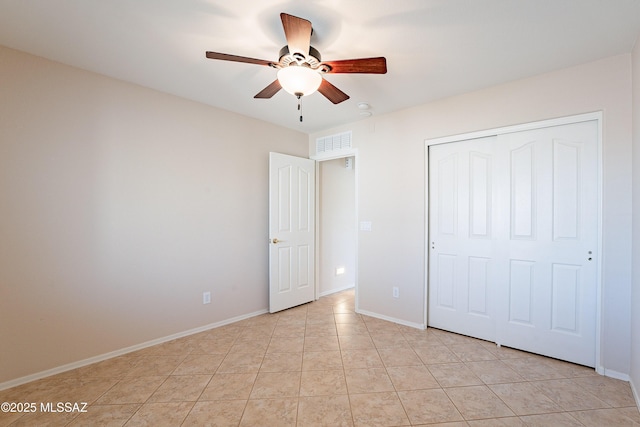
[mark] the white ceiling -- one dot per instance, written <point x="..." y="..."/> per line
<point x="434" y="48"/>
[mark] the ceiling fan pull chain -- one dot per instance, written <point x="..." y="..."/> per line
<point x="300" y="106"/>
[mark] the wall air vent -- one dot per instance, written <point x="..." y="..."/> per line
<point x="333" y="143"/>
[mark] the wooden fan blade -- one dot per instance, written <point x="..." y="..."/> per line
<point x="269" y="91"/>
<point x="235" y="58"/>
<point x="298" y="33"/>
<point x="332" y="93"/>
<point x="363" y="65"/>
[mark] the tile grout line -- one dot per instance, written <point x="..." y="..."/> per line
<point x="344" y="373"/>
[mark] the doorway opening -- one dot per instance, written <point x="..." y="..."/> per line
<point x="336" y="225"/>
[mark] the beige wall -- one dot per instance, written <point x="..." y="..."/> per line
<point x="119" y="207"/>
<point x="392" y="176"/>
<point x="635" y="301"/>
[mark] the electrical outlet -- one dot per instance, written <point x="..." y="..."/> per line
<point x="396" y="292"/>
<point x="206" y="297"/>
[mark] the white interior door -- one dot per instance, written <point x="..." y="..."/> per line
<point x="513" y="225"/>
<point x="291" y="231"/>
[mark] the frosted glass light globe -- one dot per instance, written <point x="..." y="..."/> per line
<point x="299" y="80"/>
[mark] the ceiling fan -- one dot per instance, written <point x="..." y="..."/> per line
<point x="300" y="66"/>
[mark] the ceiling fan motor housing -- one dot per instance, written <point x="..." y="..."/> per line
<point x="313" y="59"/>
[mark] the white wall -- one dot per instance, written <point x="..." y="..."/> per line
<point x="391" y="185"/>
<point x="119" y="207"/>
<point x="337" y="225"/>
<point x="635" y="300"/>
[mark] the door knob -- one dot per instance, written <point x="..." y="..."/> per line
<point x="275" y="240"/>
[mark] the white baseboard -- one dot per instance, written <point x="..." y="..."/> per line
<point x="120" y="352"/>
<point x="392" y="319"/>
<point x="636" y="394"/>
<point x="616" y="375"/>
<point x="335" y="291"/>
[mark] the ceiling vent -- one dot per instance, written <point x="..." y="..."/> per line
<point x="333" y="143"/>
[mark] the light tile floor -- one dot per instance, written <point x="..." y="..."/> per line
<point x="321" y="364"/>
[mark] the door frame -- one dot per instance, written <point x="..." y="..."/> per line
<point x="594" y="116"/>
<point x="342" y="154"/>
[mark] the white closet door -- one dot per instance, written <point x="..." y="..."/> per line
<point x="549" y="304"/>
<point x="461" y="230"/>
<point x="513" y="234"/>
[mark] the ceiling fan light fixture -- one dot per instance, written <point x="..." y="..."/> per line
<point x="300" y="65"/>
<point x="299" y="80"/>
